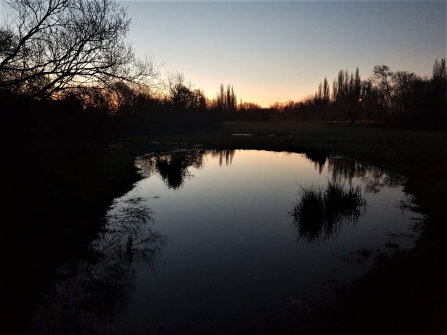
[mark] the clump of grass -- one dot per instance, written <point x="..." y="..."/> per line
<point x="320" y="213"/>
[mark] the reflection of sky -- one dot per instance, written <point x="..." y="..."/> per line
<point x="234" y="253"/>
<point x="273" y="51"/>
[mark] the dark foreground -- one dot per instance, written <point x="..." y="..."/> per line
<point x="53" y="199"/>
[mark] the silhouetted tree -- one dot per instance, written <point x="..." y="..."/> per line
<point x="321" y="101"/>
<point x="368" y="97"/>
<point x="90" y="97"/>
<point x="346" y="94"/>
<point x="221" y="98"/>
<point x="182" y="94"/>
<point x="440" y="75"/>
<point x="382" y="76"/>
<point x="339" y="92"/>
<point x="439" y="83"/>
<point x="250" y="106"/>
<point x="431" y="101"/>
<point x="47" y="46"/>
<point x="226" y="100"/>
<point x="404" y="92"/>
<point x="124" y="94"/>
<point x="353" y="103"/>
<point x="199" y="99"/>
<point x="326" y="93"/>
<point x="318" y="103"/>
<point x="179" y="93"/>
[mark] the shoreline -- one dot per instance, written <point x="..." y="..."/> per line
<point x="406" y="291"/>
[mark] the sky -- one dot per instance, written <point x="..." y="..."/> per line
<point x="277" y="51"/>
<point x="273" y="51"/>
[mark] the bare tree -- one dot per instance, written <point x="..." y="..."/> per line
<point x="179" y="92"/>
<point x="440" y="74"/>
<point x="439" y="81"/>
<point x="47" y="46"/>
<point x="368" y="98"/>
<point x="199" y="100"/>
<point x="404" y="92"/>
<point x="124" y="94"/>
<point x="382" y="83"/>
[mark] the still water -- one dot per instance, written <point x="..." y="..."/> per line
<point x="205" y="244"/>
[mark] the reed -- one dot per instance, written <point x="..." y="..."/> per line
<point x="319" y="213"/>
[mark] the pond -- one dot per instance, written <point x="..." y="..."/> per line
<point x="206" y="243"/>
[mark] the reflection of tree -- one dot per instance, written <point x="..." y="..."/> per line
<point x="318" y="158"/>
<point x="375" y="178"/>
<point x="320" y="213"/>
<point x="97" y="288"/>
<point x="344" y="169"/>
<point x="173" y="167"/>
<point x="227" y="154"/>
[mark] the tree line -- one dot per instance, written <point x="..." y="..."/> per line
<point x="398" y="98"/>
<point x="66" y="64"/>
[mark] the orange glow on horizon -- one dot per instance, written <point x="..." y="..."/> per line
<point x="265" y="97"/>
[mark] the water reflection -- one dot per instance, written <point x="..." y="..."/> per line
<point x="235" y="259"/>
<point x="221" y="154"/>
<point x="173" y="167"/>
<point x="374" y="178"/>
<point x="98" y="287"/>
<point x="318" y="158"/>
<point x="343" y="169"/>
<point x="320" y="213"/>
